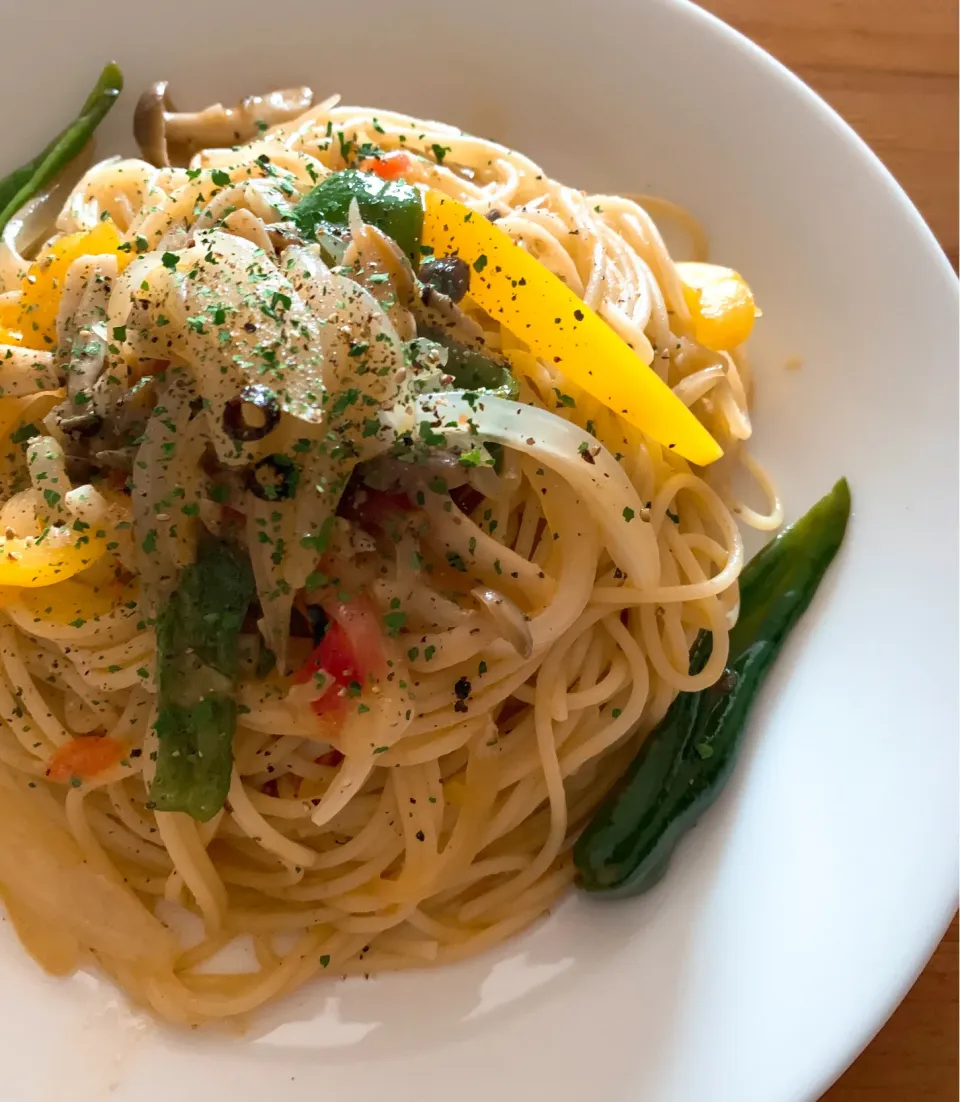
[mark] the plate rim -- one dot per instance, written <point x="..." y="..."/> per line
<point x="937" y="925"/>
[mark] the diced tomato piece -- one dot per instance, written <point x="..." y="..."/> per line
<point x="374" y="508"/>
<point x="85" y="756"/>
<point x="391" y="166"/>
<point x="364" y="630"/>
<point x="332" y="707"/>
<point x="334" y="655"/>
<point x="351" y="652"/>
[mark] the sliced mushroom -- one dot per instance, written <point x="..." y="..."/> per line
<point x="79" y="468"/>
<point x="82" y="424"/>
<point x="507" y="617"/>
<point x="437" y="312"/>
<point x="149" y="124"/>
<point x="371" y="255"/>
<point x="116" y="459"/>
<point x="82" y="345"/>
<point x="282" y="234"/>
<point x="133" y="409"/>
<point x="376" y="253"/>
<point x="167" y="136"/>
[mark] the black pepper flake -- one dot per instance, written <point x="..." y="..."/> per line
<point x="578" y="314"/>
<point x="420" y="836"/>
<point x="463" y="688"/>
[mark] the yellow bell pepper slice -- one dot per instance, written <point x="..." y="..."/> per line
<point x="43" y="283"/>
<point x="10" y="314"/>
<point x="518" y="291"/>
<point x="720" y="303"/>
<point x="68" y="601"/>
<point x="42" y="560"/>
<point x="35" y="406"/>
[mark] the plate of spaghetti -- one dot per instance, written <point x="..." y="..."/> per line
<point x="387" y="580"/>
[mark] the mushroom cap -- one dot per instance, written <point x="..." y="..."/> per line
<point x="167" y="136"/>
<point x="150" y="123"/>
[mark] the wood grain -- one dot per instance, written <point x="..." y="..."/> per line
<point x="890" y="69"/>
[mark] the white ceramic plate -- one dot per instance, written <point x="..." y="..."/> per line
<point x="803" y="907"/>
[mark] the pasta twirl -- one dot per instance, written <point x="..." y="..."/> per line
<point x="333" y="607"/>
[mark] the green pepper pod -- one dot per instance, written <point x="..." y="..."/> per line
<point x="30" y="179"/>
<point x="686" y="760"/>
<point x="198" y="632"/>
<point x="393" y="206"/>
<point x="472" y="369"/>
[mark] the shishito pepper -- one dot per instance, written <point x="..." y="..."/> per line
<point x="33" y="322"/>
<point x="30" y="179"/>
<point x="518" y="291"/>
<point x="197" y="666"/>
<point x="687" y="759"/>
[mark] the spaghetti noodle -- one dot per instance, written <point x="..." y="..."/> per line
<point x="464" y="622"/>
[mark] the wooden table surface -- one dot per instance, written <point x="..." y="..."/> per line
<point x="889" y="67"/>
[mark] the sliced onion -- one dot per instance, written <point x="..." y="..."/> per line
<point x="387" y="471"/>
<point x="602" y="485"/>
<point x="42" y="866"/>
<point x="692" y="388"/>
